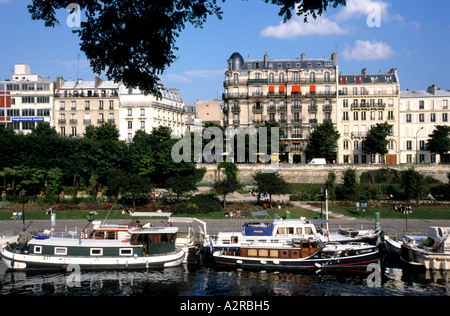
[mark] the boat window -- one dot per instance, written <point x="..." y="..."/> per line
<point x="96" y="252"/>
<point x="37" y="249"/>
<point x="299" y="231"/>
<point x="234" y="239"/>
<point x="313" y="244"/>
<point x="305" y="244"/>
<point x="252" y="252"/>
<point x="308" y="230"/>
<point x="274" y="253"/>
<point x="263" y="253"/>
<point x="60" y="251"/>
<point x="289" y="230"/>
<point x="111" y="235"/>
<point x="126" y="252"/>
<point x="281" y="231"/>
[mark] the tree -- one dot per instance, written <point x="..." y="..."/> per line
<point x="134" y="186"/>
<point x="376" y="140"/>
<point x="414" y="184"/>
<point x="271" y="183"/>
<point x="350" y="186"/>
<point x="323" y="140"/>
<point x="226" y="186"/>
<point x="439" y="141"/>
<point x="134" y="41"/>
<point x="230" y="183"/>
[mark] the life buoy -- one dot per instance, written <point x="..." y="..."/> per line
<point x="125" y="241"/>
<point x="323" y="255"/>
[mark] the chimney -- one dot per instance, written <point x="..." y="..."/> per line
<point x="334" y="58"/>
<point x="266" y="59"/>
<point x="303" y="57"/>
<point x="364" y="72"/>
<point x="432" y="89"/>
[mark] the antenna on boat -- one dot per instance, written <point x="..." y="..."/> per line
<point x="326" y="211"/>
<point x="108" y="214"/>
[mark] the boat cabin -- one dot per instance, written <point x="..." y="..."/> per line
<point x="154" y="240"/>
<point x="301" y="248"/>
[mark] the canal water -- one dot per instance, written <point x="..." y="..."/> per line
<point x="388" y="278"/>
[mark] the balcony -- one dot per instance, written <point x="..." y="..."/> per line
<point x="297" y="136"/>
<point x="87" y="121"/>
<point x="327" y="108"/>
<point x="62" y="121"/>
<point x="257" y="109"/>
<point x="296" y="108"/>
<point x="73" y="121"/>
<point x="296" y="120"/>
<point x="312" y="108"/>
<point x="235" y="108"/>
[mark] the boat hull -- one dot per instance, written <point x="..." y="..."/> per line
<point x="17" y="261"/>
<point x="313" y="262"/>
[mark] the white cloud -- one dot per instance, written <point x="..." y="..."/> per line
<point x="358" y="8"/>
<point x="368" y="50"/>
<point x="296" y="27"/>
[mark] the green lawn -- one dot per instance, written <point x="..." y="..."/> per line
<point x="117" y="214"/>
<point x="422" y="212"/>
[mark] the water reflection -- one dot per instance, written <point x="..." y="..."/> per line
<point x="207" y="281"/>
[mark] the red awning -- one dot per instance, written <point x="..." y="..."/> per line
<point x="296" y="88"/>
<point x="281" y="88"/>
<point x="344" y="80"/>
<point x="358" y="80"/>
<point x="312" y="88"/>
<point x="271" y="88"/>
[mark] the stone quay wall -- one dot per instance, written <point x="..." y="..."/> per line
<point x="301" y="173"/>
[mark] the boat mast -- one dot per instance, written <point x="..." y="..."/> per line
<point x="326" y="211"/>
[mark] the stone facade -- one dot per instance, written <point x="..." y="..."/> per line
<point x="297" y="93"/>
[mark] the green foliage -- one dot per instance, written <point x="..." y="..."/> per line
<point x="414" y="184"/>
<point x="439" y="141"/>
<point x="198" y="204"/>
<point x="323" y="140"/>
<point x="376" y="140"/>
<point x="271" y="183"/>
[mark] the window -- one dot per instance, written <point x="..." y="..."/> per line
<point x="60" y="251"/>
<point x="96" y="251"/>
<point x="421" y="117"/>
<point x="355" y="116"/>
<point x="37" y="249"/>
<point x="421" y="105"/>
<point x="100" y="105"/>
<point x="433" y="117"/>
<point x="27" y="99"/>
<point x="312" y="77"/>
<point x="42" y="99"/>
<point x="62" y="105"/>
<point x="111" y="105"/>
<point x="444" y="117"/>
<point x="129" y="112"/>
<point x="408" y="118"/>
<point x="87" y="105"/>
<point x="408" y="145"/>
<point x="345" y="116"/>
<point x="327" y="77"/>
<point x="126" y="252"/>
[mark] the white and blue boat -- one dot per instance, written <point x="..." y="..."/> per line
<point x="298" y="254"/>
<point x="281" y="231"/>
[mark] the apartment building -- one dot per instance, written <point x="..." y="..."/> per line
<point x="210" y="111"/>
<point x="365" y="100"/>
<point x="26" y="99"/>
<point x="420" y="112"/>
<point x="298" y="93"/>
<point x="81" y="103"/>
<point x="145" y="112"/>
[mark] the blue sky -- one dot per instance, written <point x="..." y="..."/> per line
<point x="412" y="36"/>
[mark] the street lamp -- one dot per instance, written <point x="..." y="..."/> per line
<point x="417" y="147"/>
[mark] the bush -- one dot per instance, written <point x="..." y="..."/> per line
<point x="199" y="204"/>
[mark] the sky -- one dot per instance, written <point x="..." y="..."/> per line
<point x="410" y="35"/>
